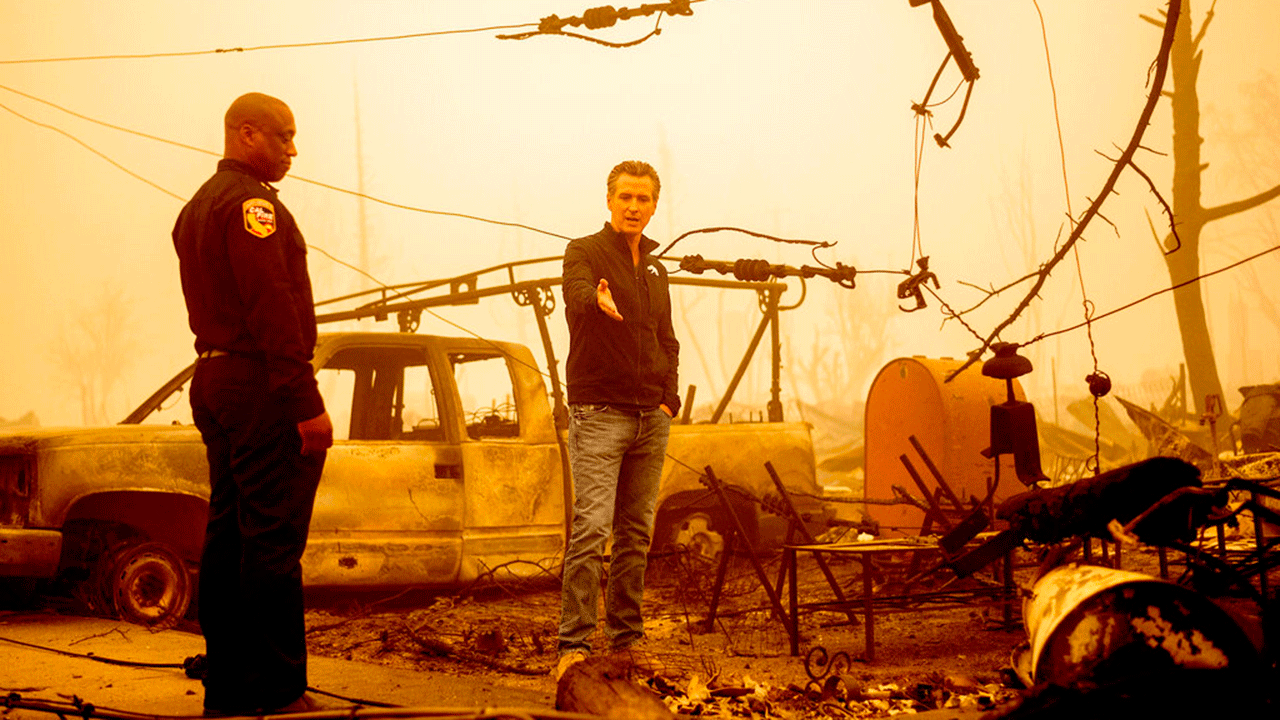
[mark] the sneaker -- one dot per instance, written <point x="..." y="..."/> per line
<point x="568" y="660"/>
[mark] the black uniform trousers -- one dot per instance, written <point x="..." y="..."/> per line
<point x="262" y="490"/>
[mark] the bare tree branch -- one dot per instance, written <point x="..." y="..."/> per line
<point x="993" y="293"/>
<point x="1221" y="211"/>
<point x="1208" y="18"/>
<point x="1168" y="211"/>
<point x="1126" y="158"/>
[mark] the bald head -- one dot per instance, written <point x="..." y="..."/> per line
<point x="259" y="131"/>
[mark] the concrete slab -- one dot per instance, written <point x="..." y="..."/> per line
<point x="41" y="673"/>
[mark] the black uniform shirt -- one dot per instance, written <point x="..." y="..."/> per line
<point x="244" y="275"/>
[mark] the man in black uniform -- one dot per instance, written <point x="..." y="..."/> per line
<point x="254" y="398"/>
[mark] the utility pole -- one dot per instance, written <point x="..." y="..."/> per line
<point x="361" y="214"/>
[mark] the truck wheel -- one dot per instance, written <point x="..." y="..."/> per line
<point x="145" y="583"/>
<point x="695" y="534"/>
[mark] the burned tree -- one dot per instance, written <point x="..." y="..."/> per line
<point x="95" y="353"/>
<point x="1182" y="246"/>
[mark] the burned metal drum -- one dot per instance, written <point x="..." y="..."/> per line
<point x="952" y="421"/>
<point x="1093" y="626"/>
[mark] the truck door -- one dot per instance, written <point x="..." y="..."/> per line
<point x="510" y="463"/>
<point x="389" y="508"/>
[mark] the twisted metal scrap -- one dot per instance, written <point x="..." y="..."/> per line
<point x="1125" y="160"/>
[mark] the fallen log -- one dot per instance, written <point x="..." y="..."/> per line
<point x="603" y="686"/>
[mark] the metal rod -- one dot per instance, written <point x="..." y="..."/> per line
<point x="751" y="552"/>
<point x="933" y="511"/>
<point x="1259" y="544"/>
<point x="725" y="554"/>
<point x="933" y="470"/>
<point x="782" y="567"/>
<point x="687" y="410"/>
<point x="742" y="370"/>
<point x="798" y="522"/>
<point x="868" y="612"/>
<point x="557" y="395"/>
<point x="795" y="605"/>
<point x="380" y="308"/>
<point x="775" y="387"/>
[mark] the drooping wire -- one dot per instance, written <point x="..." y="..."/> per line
<point x="1088" y="305"/>
<point x="442" y="213"/>
<point x="299" y="178"/>
<point x="923" y="123"/>
<point x="322" y="251"/>
<point x="280" y="46"/>
<point x="753" y="233"/>
<point x="950" y="312"/>
<point x="1149" y="296"/>
<point x="95" y="151"/>
<point x="346" y="264"/>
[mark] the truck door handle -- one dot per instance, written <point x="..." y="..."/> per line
<point x="448" y="471"/>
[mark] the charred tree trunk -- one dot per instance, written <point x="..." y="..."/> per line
<point x="1184" y="262"/>
<point x="1190" y="215"/>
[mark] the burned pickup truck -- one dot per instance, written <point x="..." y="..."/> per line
<point x="448" y="466"/>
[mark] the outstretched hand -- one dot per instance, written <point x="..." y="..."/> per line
<point x="604" y="299"/>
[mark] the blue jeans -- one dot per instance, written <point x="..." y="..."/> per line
<point x="616" y="457"/>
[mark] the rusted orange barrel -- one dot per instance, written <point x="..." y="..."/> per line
<point x="1092" y="626"/>
<point x="951" y="420"/>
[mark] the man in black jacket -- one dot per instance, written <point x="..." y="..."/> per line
<point x="621" y="373"/>
<point x="254" y="398"/>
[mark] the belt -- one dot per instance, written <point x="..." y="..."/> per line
<point x="212" y="354"/>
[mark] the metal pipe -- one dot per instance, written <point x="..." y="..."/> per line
<point x="742" y="370"/>
<point x="775" y="387"/>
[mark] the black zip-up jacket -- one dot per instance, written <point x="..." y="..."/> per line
<point x="243" y="264"/>
<point x="630" y="364"/>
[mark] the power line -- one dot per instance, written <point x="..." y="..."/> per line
<point x="299" y="178"/>
<point x="321" y="250"/>
<point x="753" y="233"/>
<point x="280" y="46"/>
<point x="444" y="213"/>
<point x="93" y="150"/>
<point x="1171" y="288"/>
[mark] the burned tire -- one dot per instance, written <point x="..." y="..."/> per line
<point x="695" y="524"/>
<point x="696" y="534"/>
<point x="145" y="583"/>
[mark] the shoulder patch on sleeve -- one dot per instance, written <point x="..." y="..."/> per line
<point x="259" y="217"/>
